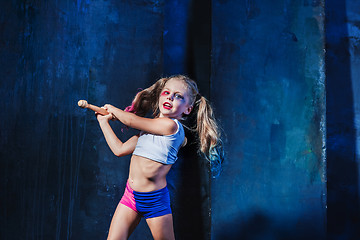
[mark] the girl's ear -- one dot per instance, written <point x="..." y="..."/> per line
<point x="188" y="110"/>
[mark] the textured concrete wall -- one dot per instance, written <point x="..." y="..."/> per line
<point x="343" y="117"/>
<point x="58" y="176"/>
<point x="268" y="85"/>
<point x="59" y="180"/>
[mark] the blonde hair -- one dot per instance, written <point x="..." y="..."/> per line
<point x="206" y="124"/>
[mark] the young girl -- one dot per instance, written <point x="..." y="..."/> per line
<point x="155" y="149"/>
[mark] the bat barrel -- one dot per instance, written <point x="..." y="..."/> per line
<point x="85" y="104"/>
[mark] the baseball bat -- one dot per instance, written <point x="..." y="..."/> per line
<point x="85" y="104"/>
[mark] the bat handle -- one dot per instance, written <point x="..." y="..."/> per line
<point x="97" y="109"/>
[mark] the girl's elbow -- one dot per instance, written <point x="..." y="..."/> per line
<point x="117" y="149"/>
<point x="120" y="153"/>
<point x="117" y="152"/>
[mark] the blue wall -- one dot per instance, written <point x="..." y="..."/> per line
<point x="343" y="112"/>
<point x="268" y="61"/>
<point x="292" y="146"/>
<point x="60" y="178"/>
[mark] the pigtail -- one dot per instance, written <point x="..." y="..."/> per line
<point x="206" y="126"/>
<point x="209" y="136"/>
<point x="147" y="99"/>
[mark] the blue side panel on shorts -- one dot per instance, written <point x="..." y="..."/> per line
<point x="153" y="204"/>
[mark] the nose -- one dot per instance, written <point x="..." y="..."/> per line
<point x="171" y="97"/>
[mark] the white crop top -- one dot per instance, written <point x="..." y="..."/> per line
<point x="160" y="148"/>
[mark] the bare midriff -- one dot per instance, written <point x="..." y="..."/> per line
<point x="146" y="175"/>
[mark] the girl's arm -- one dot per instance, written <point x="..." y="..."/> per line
<point x="159" y="126"/>
<point x="117" y="147"/>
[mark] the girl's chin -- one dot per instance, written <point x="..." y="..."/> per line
<point x="167" y="115"/>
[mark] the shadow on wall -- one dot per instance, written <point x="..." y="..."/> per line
<point x="187" y="51"/>
<point x="198" y="51"/>
<point x="260" y="226"/>
<point x="192" y="200"/>
<point x="342" y="168"/>
<point x="195" y="197"/>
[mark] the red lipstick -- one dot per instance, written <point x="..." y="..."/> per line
<point x="167" y="105"/>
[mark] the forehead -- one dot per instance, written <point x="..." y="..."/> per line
<point x="176" y="85"/>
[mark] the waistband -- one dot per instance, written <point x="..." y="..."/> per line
<point x="152" y="193"/>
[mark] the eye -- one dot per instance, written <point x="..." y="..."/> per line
<point x="165" y="93"/>
<point x="179" y="96"/>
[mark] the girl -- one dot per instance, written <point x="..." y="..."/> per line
<point x="155" y="149"/>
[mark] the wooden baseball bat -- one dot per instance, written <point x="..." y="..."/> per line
<point x="85" y="104"/>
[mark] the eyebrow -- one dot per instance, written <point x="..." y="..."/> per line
<point x="170" y="90"/>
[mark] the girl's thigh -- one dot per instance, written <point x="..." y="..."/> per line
<point x="123" y="223"/>
<point x="162" y="227"/>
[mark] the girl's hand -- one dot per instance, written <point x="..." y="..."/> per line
<point x="110" y="108"/>
<point x="103" y="118"/>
